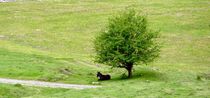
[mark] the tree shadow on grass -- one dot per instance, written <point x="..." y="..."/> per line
<point x="143" y="74"/>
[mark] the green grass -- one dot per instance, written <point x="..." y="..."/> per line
<point x="38" y="67"/>
<point x="39" y="40"/>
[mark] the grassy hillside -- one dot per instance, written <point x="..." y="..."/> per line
<point x="51" y="40"/>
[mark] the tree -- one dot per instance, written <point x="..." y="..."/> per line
<point x="126" y="41"/>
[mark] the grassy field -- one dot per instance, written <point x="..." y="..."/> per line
<point x="51" y="40"/>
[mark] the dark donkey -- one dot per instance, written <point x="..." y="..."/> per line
<point x="100" y="76"/>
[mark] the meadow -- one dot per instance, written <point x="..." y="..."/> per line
<point x="51" y="40"/>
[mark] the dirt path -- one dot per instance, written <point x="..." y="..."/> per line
<point x="7" y="0"/>
<point x="45" y="84"/>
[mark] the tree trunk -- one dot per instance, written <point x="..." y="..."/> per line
<point x="129" y="67"/>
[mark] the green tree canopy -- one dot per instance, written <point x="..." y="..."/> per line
<point x="126" y="41"/>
